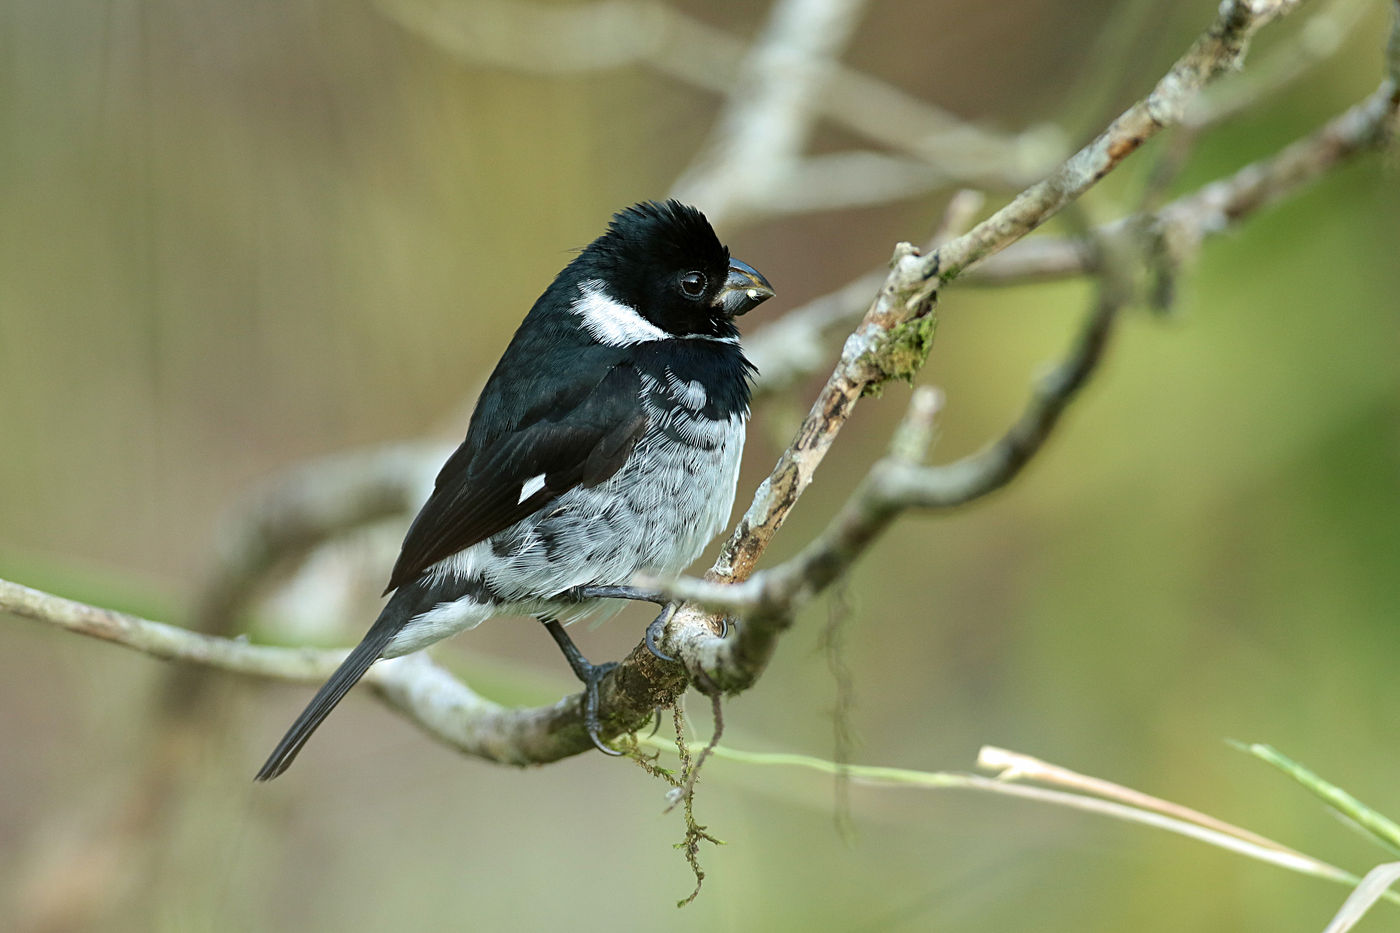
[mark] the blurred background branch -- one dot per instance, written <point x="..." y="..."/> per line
<point x="775" y="88"/>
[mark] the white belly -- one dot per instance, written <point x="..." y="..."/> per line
<point x="655" y="514"/>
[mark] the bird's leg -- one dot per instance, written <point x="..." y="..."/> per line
<point x="590" y="674"/>
<point x="658" y="625"/>
<point x="616" y="592"/>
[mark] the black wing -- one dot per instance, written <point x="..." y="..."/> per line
<point x="579" y="439"/>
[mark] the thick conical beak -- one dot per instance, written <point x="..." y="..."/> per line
<point x="744" y="289"/>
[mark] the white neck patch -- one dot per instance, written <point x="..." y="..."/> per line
<point x="609" y="321"/>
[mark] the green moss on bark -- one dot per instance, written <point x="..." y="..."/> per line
<point x="902" y="353"/>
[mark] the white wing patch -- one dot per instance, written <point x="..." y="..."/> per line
<point x="611" y="322"/>
<point x="531" y="486"/>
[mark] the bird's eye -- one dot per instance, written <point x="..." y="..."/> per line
<point x="693" y="284"/>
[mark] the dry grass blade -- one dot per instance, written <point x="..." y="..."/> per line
<point x="1014" y="766"/>
<point x="1377" y="881"/>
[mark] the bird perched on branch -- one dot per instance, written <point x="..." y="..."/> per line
<point x="606" y="442"/>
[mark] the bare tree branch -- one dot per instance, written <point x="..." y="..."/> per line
<point x="1317" y="39"/>
<point x="898" y="482"/>
<point x="169" y="642"/>
<point x="793" y="346"/>
<point x="424" y="692"/>
<point x="1218" y="206"/>
<point x="1221" y="48"/>
<point x="891" y="342"/>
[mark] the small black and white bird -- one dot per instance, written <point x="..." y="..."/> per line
<point x="606" y="442"/>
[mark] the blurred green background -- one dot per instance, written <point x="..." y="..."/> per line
<point x="236" y="236"/>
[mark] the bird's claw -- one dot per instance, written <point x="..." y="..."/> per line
<point x="657" y="630"/>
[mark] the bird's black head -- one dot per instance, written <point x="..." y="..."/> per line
<point x="663" y="263"/>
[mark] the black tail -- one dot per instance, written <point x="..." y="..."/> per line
<point x="331" y="693"/>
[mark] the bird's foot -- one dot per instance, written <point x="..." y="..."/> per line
<point x="594" y="677"/>
<point x="591" y="676"/>
<point x="657" y="629"/>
